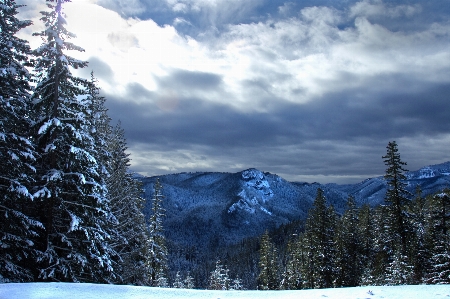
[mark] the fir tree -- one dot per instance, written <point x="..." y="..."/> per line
<point x="178" y="283"/>
<point x="382" y="247"/>
<point x="292" y="278"/>
<point x="418" y="250"/>
<point x="188" y="282"/>
<point x="17" y="228"/>
<point x="132" y="241"/>
<point x="399" y="272"/>
<point x="439" y="272"/>
<point x="219" y="279"/>
<point x="70" y="193"/>
<point x="320" y="230"/>
<point x="236" y="284"/>
<point x="157" y="257"/>
<point x="366" y="231"/>
<point x="348" y="242"/>
<point x="268" y="268"/>
<point x="396" y="196"/>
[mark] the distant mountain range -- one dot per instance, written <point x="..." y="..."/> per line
<point x="209" y="209"/>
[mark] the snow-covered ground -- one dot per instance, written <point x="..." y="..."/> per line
<point x="99" y="291"/>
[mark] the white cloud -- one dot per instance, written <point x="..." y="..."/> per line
<point x="287" y="59"/>
<point x="299" y="59"/>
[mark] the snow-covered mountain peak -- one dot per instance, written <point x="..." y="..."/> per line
<point x="426" y="172"/>
<point x="252" y="173"/>
<point x="430" y="171"/>
<point x="256" y="182"/>
<point x="255" y="191"/>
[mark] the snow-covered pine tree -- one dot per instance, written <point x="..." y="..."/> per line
<point x="125" y="194"/>
<point x="236" y="284"/>
<point x="157" y="256"/>
<point x="348" y="248"/>
<point x="17" y="228"/>
<point x="219" y="279"/>
<point x="70" y="196"/>
<point x="418" y="252"/>
<point x="382" y="248"/>
<point x="439" y="233"/>
<point x="399" y="272"/>
<point x="188" y="282"/>
<point x="100" y="128"/>
<point x="292" y="276"/>
<point x="366" y="231"/>
<point x="178" y="282"/>
<point x="320" y="227"/>
<point x="268" y="264"/>
<point x="396" y="197"/>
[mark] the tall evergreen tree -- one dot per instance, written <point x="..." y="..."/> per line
<point x="157" y="258"/>
<point x="366" y="232"/>
<point x="17" y="228"/>
<point x="125" y="194"/>
<point x="70" y="194"/>
<point x="348" y="242"/>
<point x="219" y="279"/>
<point x="418" y="251"/>
<point x="396" y="196"/>
<point x="439" y="272"/>
<point x="292" y="277"/>
<point x="320" y="227"/>
<point x="382" y="247"/>
<point x="268" y="268"/>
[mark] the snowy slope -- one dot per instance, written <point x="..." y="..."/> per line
<point x="97" y="291"/>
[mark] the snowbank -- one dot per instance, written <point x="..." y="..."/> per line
<point x="101" y="291"/>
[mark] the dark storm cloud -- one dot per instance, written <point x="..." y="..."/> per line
<point x="191" y="80"/>
<point x="311" y="90"/>
<point x="100" y="68"/>
<point x="343" y="133"/>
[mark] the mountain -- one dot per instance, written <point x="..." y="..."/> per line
<point x="210" y="210"/>
<point x="372" y="191"/>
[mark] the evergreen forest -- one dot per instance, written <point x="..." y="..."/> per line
<point x="71" y="210"/>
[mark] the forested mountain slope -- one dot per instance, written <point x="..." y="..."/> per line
<point x="222" y="208"/>
<point x="206" y="212"/>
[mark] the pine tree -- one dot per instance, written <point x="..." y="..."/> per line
<point x="418" y="251"/>
<point x="236" y="284"/>
<point x="382" y="247"/>
<point x="70" y="194"/>
<point x="292" y="278"/>
<point x="219" y="279"/>
<point x="366" y="232"/>
<point x="438" y="228"/>
<point x="178" y="283"/>
<point x="157" y="258"/>
<point x="268" y="268"/>
<point x="349" y="251"/>
<point x="17" y="228"/>
<point x="320" y="227"/>
<point x="188" y="282"/>
<point x="396" y="196"/>
<point x="132" y="242"/>
<point x="399" y="272"/>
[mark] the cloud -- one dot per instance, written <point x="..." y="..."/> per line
<point x="310" y="93"/>
<point x="122" y="40"/>
<point x="124" y="7"/>
<point x="377" y="8"/>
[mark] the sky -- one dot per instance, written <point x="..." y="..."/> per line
<point x="309" y="90"/>
<point x="95" y="291"/>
